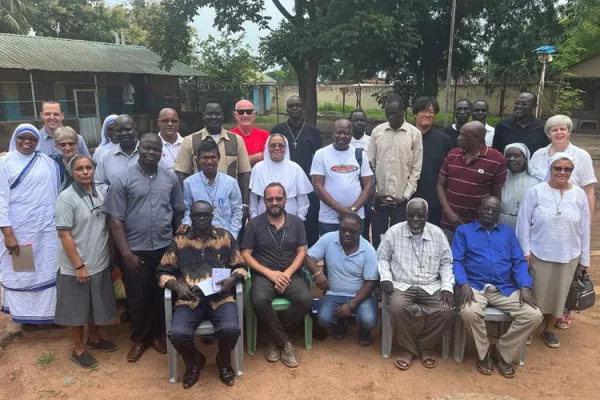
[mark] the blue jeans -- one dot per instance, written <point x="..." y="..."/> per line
<point x="365" y="314"/>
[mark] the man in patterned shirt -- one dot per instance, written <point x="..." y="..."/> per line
<point x="187" y="262"/>
<point x="415" y="267"/>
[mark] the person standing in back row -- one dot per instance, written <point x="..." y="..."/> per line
<point x="396" y="153"/>
<point x="304" y="140"/>
<point x="254" y="138"/>
<point x="462" y="112"/>
<point x="360" y="140"/>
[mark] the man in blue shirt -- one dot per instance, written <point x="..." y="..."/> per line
<point x="490" y="269"/>
<point x="351" y="277"/>
<point x="53" y="116"/>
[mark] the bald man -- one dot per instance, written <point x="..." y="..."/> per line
<point x="470" y="172"/>
<point x="341" y="177"/>
<point x="168" y="123"/>
<point x="254" y="138"/>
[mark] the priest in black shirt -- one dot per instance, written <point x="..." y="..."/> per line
<point x="523" y="127"/>
<point x="304" y="140"/>
<point x="462" y="112"/>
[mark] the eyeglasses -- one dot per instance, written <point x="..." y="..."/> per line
<point x="242" y="112"/>
<point x="65" y="144"/>
<point x="349" y="231"/>
<point x="201" y="215"/>
<point x="426" y="112"/>
<point x="276" y="199"/>
<point x="172" y="121"/>
<point x="277" y="146"/>
<point x="568" y="170"/>
<point x="23" y="138"/>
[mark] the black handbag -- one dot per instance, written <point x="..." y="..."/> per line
<point x="581" y="295"/>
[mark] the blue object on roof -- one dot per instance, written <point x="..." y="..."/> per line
<point x="545" y="49"/>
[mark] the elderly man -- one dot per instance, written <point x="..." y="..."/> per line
<point x="415" y="266"/>
<point x="491" y="270"/>
<point x="462" y="112"/>
<point x="350" y="279"/>
<point x="187" y="263"/>
<point x="304" y="139"/>
<point x="396" y="153"/>
<point x="523" y="127"/>
<point x="218" y="189"/>
<point x="52" y="116"/>
<point x="254" y="138"/>
<point x="143" y="204"/>
<point x="341" y="181"/>
<point x="274" y="247"/>
<point x="480" y="113"/>
<point x="168" y="123"/>
<point x="469" y="173"/>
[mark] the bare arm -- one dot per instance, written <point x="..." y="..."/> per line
<point x="367" y="184"/>
<point x="70" y="248"/>
<point x="254" y="158"/>
<point x="118" y="232"/>
<point x="365" y="291"/>
<point x="441" y="192"/>
<point x="181" y="176"/>
<point x="244" y="182"/>
<point x="253" y="263"/>
<point x="297" y="263"/>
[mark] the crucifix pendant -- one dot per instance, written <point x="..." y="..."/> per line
<point x="558" y="213"/>
<point x="518" y="204"/>
<point x="295" y="145"/>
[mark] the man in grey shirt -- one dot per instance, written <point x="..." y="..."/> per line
<point x="144" y="204"/>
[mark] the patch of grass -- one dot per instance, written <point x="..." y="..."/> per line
<point x="46" y="359"/>
<point x="374" y="113"/>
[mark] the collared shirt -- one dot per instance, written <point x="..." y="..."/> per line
<point x="113" y="163"/>
<point x="224" y="195"/>
<point x="406" y="262"/>
<point x="468" y="183"/>
<point x="362" y="143"/>
<point x="274" y="248"/>
<point x="582" y="175"/>
<point x="307" y="138"/>
<point x="489" y="134"/>
<point x="232" y="165"/>
<point x="171" y="151"/>
<point x="146" y="205"/>
<point x="489" y="258"/>
<point x="190" y="260"/>
<point x="46" y="144"/>
<point x="346" y="272"/>
<point x="436" y="146"/>
<point x="255" y="141"/>
<point x="532" y="135"/>
<point x="397" y="156"/>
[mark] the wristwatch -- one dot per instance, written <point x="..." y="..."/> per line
<point x="353" y="209"/>
<point x="352" y="307"/>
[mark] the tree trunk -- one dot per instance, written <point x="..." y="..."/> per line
<point x="307" y="90"/>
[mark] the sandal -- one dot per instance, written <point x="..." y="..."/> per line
<point x="428" y="361"/>
<point x="551" y="339"/>
<point x="564" y="322"/>
<point x="484" y="367"/>
<point x="507" y="370"/>
<point x="404" y="361"/>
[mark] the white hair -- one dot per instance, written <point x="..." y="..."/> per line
<point x="418" y="200"/>
<point x="66" y="132"/>
<point x="558" y="120"/>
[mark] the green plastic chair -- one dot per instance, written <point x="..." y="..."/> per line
<point x="278" y="304"/>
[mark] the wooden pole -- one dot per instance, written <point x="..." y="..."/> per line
<point x="449" y="70"/>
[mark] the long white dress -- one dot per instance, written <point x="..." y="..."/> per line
<point x="29" y="297"/>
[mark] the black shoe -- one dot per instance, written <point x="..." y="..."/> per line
<point x="364" y="337"/>
<point x="192" y="374"/>
<point x="84" y="360"/>
<point x="208" y="339"/>
<point x="340" y="330"/>
<point x="227" y="376"/>
<point x="102" y="345"/>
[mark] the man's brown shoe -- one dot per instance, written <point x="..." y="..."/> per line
<point x="160" y="345"/>
<point x="136" y="351"/>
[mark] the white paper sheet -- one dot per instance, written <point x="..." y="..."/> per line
<point x="218" y="274"/>
<point x="207" y="287"/>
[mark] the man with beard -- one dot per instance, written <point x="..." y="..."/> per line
<point x="480" y="113"/>
<point x="304" y="140"/>
<point x="144" y="203"/>
<point x="168" y="123"/>
<point x="254" y="138"/>
<point x="274" y="247"/>
<point x="415" y="266"/>
<point x="342" y="183"/>
<point x="462" y="112"/>
<point x="523" y="127"/>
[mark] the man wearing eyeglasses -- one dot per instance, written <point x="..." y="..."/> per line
<point x="254" y="138"/>
<point x="168" y="123"/>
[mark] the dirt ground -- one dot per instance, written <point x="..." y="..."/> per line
<point x="38" y="367"/>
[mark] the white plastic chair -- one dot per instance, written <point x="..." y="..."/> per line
<point x="206" y="328"/>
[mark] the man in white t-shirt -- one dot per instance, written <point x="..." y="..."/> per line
<point x="341" y="183"/>
<point x="168" y="123"/>
<point x="360" y="139"/>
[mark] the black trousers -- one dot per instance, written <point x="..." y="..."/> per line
<point x="384" y="218"/>
<point x="311" y="224"/>
<point x="298" y="293"/>
<point x="145" y="298"/>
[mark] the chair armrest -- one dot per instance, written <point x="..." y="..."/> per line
<point x="168" y="295"/>
<point x="238" y="288"/>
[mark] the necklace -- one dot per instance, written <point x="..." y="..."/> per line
<point x="207" y="187"/>
<point x="519" y="194"/>
<point x="280" y="245"/>
<point x="558" y="213"/>
<point x="295" y="137"/>
<point x="414" y="248"/>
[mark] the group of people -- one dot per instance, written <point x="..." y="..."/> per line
<point x="417" y="211"/>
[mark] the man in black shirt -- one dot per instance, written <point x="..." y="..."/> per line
<point x="462" y="112"/>
<point x="274" y="247"/>
<point x="304" y="140"/>
<point x="523" y="127"/>
<point x="436" y="145"/>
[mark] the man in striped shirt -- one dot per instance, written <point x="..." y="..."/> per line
<point x="470" y="173"/>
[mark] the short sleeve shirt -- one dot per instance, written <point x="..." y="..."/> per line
<point x="255" y="141"/>
<point x="346" y="273"/>
<point x="274" y="248"/>
<point x="508" y="131"/>
<point x="342" y="179"/>
<point x="81" y="214"/>
<point x="583" y="174"/>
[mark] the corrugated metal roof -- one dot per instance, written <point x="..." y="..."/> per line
<point x="66" y="55"/>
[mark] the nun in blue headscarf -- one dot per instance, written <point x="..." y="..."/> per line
<point x="108" y="141"/>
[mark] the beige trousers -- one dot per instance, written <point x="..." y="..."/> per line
<point x="525" y="320"/>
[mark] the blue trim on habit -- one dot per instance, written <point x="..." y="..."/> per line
<point x="27" y="320"/>
<point x="43" y="286"/>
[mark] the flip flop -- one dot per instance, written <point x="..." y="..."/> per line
<point x="404" y="361"/>
<point x="428" y="361"/>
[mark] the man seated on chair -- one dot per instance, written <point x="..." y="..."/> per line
<point x="415" y="266"/>
<point x="351" y="277"/>
<point x="190" y="260"/>
<point x="491" y="270"/>
<point x="274" y="247"/>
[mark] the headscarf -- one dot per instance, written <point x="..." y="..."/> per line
<point x="21" y="129"/>
<point x="286" y="172"/>
<point x="557" y="157"/>
<point x="528" y="167"/>
<point x="107" y="122"/>
<point x="69" y="180"/>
